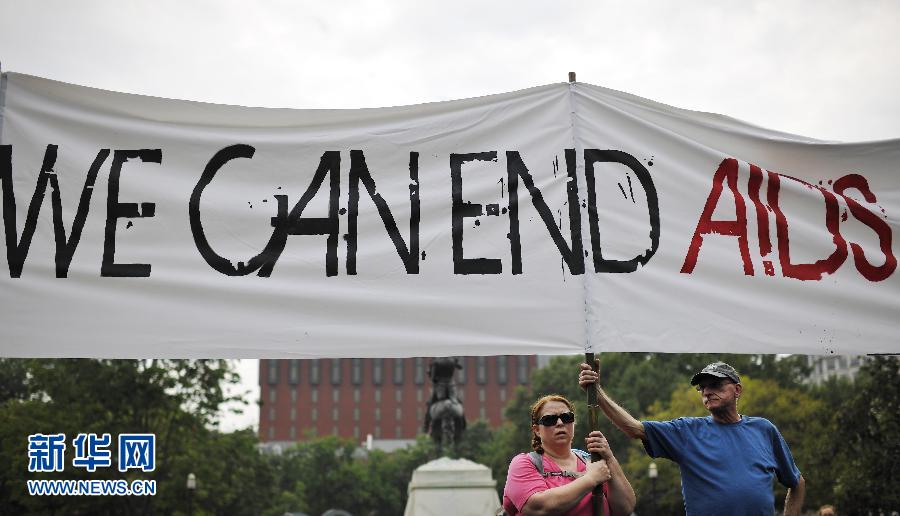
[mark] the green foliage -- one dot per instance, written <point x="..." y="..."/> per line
<point x="13" y="379"/>
<point x="867" y="462"/>
<point x="175" y="399"/>
<point x="332" y="473"/>
<point x="232" y="476"/>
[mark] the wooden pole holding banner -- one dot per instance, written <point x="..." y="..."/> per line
<point x="594" y="418"/>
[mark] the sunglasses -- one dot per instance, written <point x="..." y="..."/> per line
<point x="550" y="419"/>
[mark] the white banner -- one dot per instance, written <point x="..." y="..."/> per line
<point x="556" y="219"/>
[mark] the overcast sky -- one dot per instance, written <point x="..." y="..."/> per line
<point x="826" y="69"/>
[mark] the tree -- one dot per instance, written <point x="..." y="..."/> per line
<point x="232" y="476"/>
<point x="328" y="473"/>
<point x="13" y="379"/>
<point x="174" y="399"/>
<point x="867" y="442"/>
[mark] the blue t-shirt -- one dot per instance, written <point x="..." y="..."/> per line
<point x="726" y="469"/>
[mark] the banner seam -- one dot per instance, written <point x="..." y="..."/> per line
<point x="2" y="103"/>
<point x="579" y="163"/>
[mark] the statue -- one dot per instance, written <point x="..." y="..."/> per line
<point x="444" y="419"/>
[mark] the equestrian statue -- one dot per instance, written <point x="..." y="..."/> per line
<point x="444" y="419"/>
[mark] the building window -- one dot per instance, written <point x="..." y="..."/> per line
<point x="293" y="413"/>
<point x="502" y="394"/>
<point x="335" y="396"/>
<point x="293" y="395"/>
<point x="356" y="432"/>
<point x="377" y="395"/>
<point x="273" y="396"/>
<point x="481" y="395"/>
<point x="377" y="414"/>
<point x="294" y="375"/>
<point x="501" y="369"/>
<point x="482" y="413"/>
<point x="481" y="370"/>
<point x="314" y="414"/>
<point x="335" y="371"/>
<point x="419" y="370"/>
<point x="334" y="430"/>
<point x="419" y="413"/>
<point x="522" y="369"/>
<point x="377" y="431"/>
<point x="271" y="433"/>
<point x="356" y="375"/>
<point x="272" y="414"/>
<point x="314" y="395"/>
<point x="419" y="394"/>
<point x="356" y="413"/>
<point x="273" y="371"/>
<point x="398" y="395"/>
<point x="398" y="414"/>
<point x="398" y="371"/>
<point x="314" y="373"/>
<point x="461" y="373"/>
<point x="334" y="414"/>
<point x="377" y="370"/>
<point x="355" y="395"/>
<point x="398" y="432"/>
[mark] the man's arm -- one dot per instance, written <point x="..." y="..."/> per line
<point x="619" y="416"/>
<point x="793" y="502"/>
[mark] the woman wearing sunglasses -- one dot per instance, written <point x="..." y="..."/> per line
<point x="557" y="479"/>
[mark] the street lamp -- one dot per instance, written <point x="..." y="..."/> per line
<point x="191" y="487"/>
<point x="652" y="472"/>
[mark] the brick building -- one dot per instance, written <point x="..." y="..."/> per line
<point x="384" y="397"/>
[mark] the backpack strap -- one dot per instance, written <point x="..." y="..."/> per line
<point x="583" y="455"/>
<point x="538" y="460"/>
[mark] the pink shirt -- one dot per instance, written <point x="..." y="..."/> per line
<point x="523" y="480"/>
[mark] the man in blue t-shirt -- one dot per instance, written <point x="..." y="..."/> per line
<point x="727" y="460"/>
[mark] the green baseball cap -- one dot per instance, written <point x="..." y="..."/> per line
<point x="718" y="370"/>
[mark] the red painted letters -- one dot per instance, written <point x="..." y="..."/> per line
<point x="728" y="170"/>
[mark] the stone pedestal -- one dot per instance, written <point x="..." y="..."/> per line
<point x="452" y="486"/>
